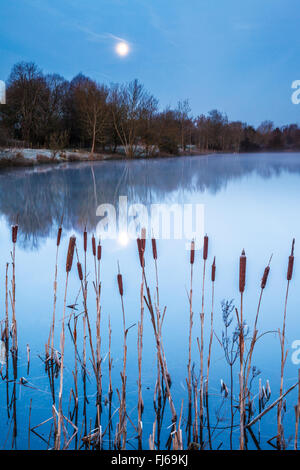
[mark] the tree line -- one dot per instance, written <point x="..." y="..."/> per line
<point x="46" y="110"/>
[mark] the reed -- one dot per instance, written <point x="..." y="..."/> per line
<point x="85" y="237"/>
<point x="69" y="263"/>
<point x="255" y="331"/>
<point x="94" y="251"/>
<point x="97" y="286"/>
<point x="51" y="333"/>
<point x="28" y="358"/>
<point x="242" y="283"/>
<point x="280" y="435"/>
<point x="297" y="414"/>
<point x="205" y="254"/>
<point x="122" y="425"/>
<point x="75" y="377"/>
<point x="196" y="414"/>
<point x="29" y="424"/>
<point x="14" y="322"/>
<point x="159" y="395"/>
<point x="110" y="388"/>
<point x="154" y="254"/>
<point x="213" y="278"/>
<point x="160" y="352"/>
<point x="142" y="248"/>
<point x="189" y="382"/>
<point x="86" y="315"/>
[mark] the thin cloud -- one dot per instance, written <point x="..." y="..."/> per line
<point x="98" y="37"/>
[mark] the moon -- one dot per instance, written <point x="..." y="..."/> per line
<point x="122" y="48"/>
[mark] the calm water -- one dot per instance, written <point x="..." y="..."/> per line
<point x="251" y="202"/>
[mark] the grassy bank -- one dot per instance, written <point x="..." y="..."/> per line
<point x="31" y="157"/>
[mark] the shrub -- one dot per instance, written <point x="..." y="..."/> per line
<point x="41" y="158"/>
<point x="168" y="145"/>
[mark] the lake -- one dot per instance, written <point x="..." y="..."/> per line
<point x="250" y="202"/>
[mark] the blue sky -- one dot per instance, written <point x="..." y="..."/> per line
<point x="239" y="56"/>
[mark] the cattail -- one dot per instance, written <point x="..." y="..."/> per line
<point x="265" y="277"/>
<point x="243" y="260"/>
<point x="94" y="245"/>
<point x="79" y="269"/>
<point x="213" y="270"/>
<point x="192" y="257"/>
<point x="59" y="231"/>
<point x="99" y="251"/>
<point x="120" y="284"/>
<point x="70" y="254"/>
<point x="290" y="268"/>
<point x="154" y="249"/>
<point x="143" y="238"/>
<point x="85" y="240"/>
<point x="141" y="251"/>
<point x="205" y="247"/>
<point x="291" y="263"/>
<point x="14" y="233"/>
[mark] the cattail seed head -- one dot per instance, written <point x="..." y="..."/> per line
<point x="85" y="240"/>
<point x="242" y="279"/>
<point x="154" y="249"/>
<point x="290" y="268"/>
<point x="94" y="245"/>
<point x="213" y="271"/>
<point x="265" y="277"/>
<point x="192" y="255"/>
<point x="143" y="238"/>
<point x="141" y="251"/>
<point x="79" y="269"/>
<point x="120" y="284"/>
<point x="99" y="251"/>
<point x="70" y="254"/>
<point x="14" y="233"/>
<point x="59" y="231"/>
<point x="291" y="263"/>
<point x="205" y="247"/>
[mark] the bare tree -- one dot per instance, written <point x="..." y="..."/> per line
<point x="52" y="107"/>
<point x="236" y="133"/>
<point x="130" y="105"/>
<point x="25" y="94"/>
<point x="91" y="102"/>
<point x="183" y="111"/>
<point x="265" y="130"/>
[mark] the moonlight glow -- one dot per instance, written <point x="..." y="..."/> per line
<point x="123" y="238"/>
<point x="122" y="49"/>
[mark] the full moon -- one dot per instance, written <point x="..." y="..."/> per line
<point x="122" y="49"/>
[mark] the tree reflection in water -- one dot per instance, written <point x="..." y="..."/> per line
<point x="43" y="194"/>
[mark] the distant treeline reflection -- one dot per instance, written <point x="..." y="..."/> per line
<point x="41" y="196"/>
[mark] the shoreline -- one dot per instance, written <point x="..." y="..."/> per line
<point x="16" y="158"/>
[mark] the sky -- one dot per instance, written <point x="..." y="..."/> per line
<point x="237" y="56"/>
